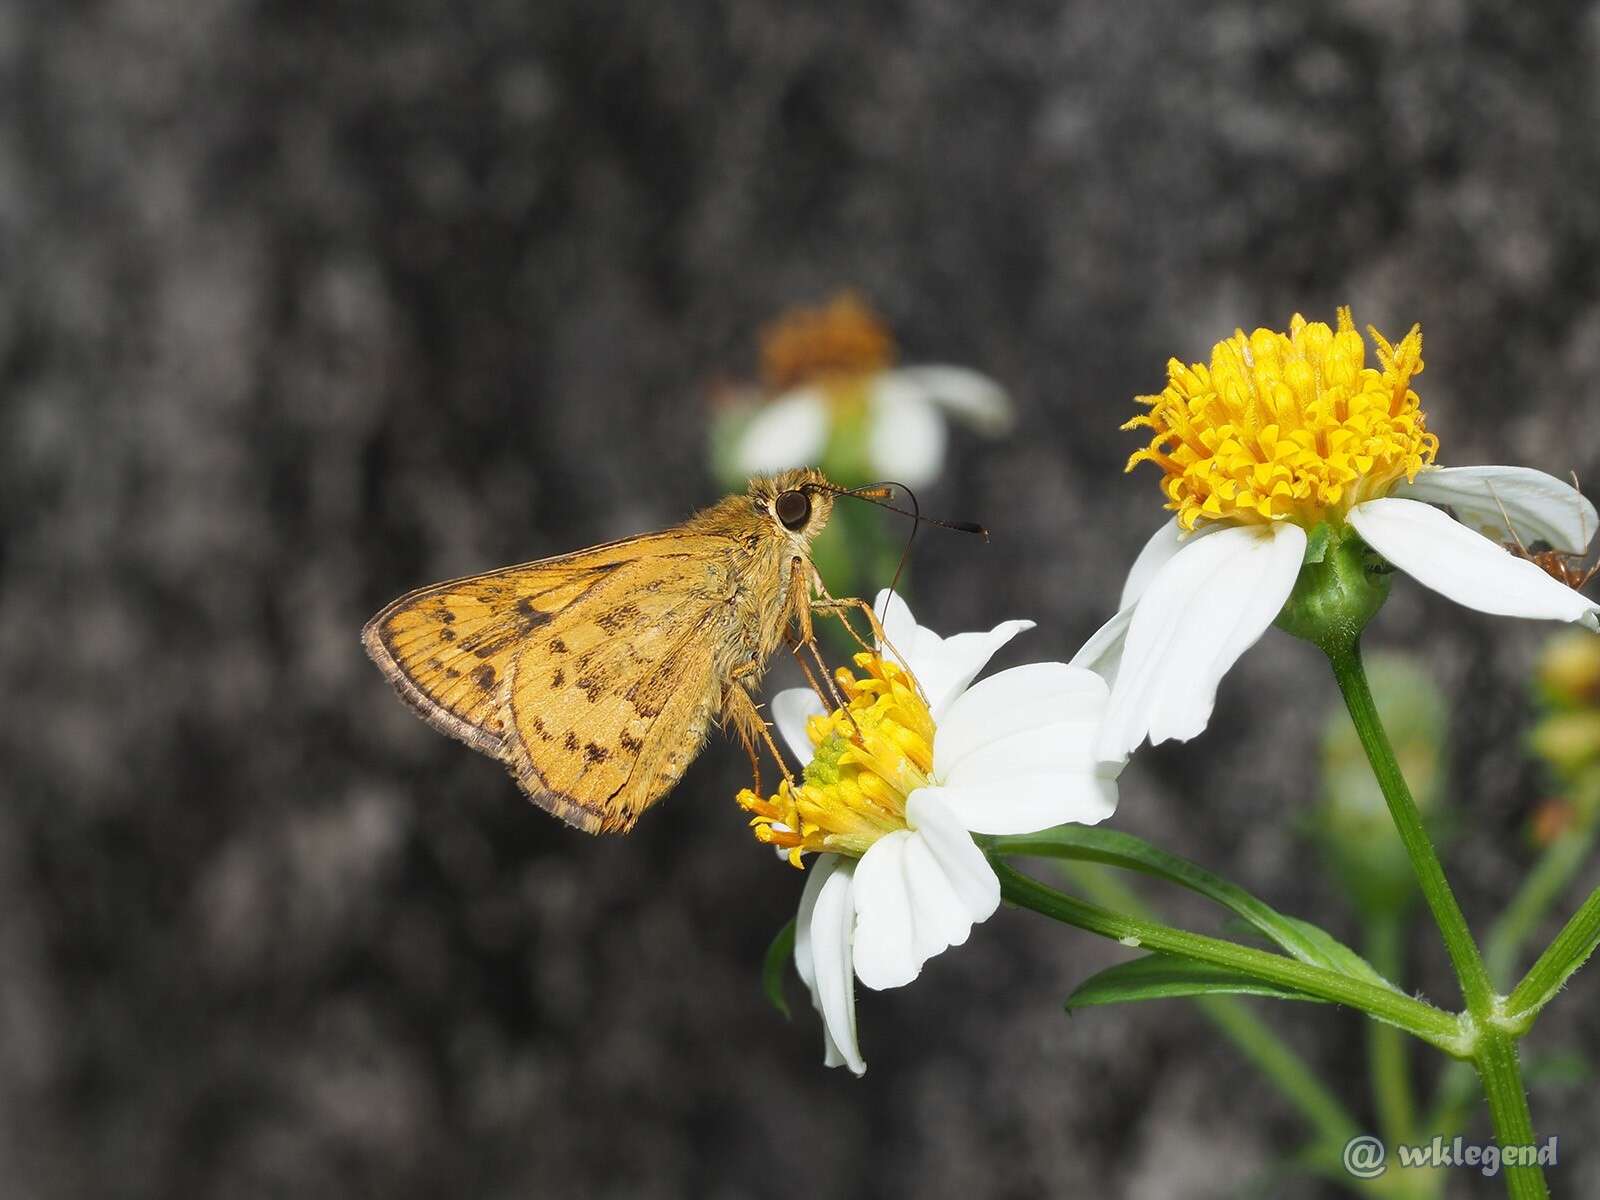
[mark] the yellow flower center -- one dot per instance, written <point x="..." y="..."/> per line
<point x="1288" y="426"/>
<point x="870" y="756"/>
<point x="840" y="341"/>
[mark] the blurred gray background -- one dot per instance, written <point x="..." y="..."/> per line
<point x="305" y="304"/>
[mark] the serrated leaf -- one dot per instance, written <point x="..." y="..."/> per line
<point x="774" y="967"/>
<point x="1299" y="939"/>
<point x="1163" y="977"/>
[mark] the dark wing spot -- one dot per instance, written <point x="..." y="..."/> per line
<point x="447" y="635"/>
<point x="557" y="646"/>
<point x="592" y="688"/>
<point x="488" y="646"/>
<point x="536" y="724"/>
<point x="571" y="742"/>
<point x="595" y="753"/>
<point x="485" y="676"/>
<point x="531" y="616"/>
<point x="559" y="679"/>
<point x="447" y="616"/>
<point x="620" y="617"/>
<point x="630" y="743"/>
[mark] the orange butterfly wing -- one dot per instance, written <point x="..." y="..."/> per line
<point x="592" y="675"/>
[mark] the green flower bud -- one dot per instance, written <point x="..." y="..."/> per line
<point x="1342" y="584"/>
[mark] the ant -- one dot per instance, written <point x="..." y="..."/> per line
<point x="1558" y="564"/>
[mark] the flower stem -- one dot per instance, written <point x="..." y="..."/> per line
<point x="1468" y="963"/>
<point x="1496" y="1062"/>
<point x="1382" y="1003"/>
<point x="1494" y="1054"/>
<point x="1546" y="883"/>
<point x="1273" y="1056"/>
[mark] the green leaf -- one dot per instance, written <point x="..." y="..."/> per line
<point x="779" y="955"/>
<point x="1297" y="938"/>
<point x="1162" y="977"/>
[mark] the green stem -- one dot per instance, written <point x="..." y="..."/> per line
<point x="1494" y="1054"/>
<point x="1384" y="1004"/>
<point x="1561" y="958"/>
<point x="1468" y="963"/>
<point x="1496" y="1061"/>
<point x="1546" y="883"/>
<point x="1272" y="1056"/>
<point x="1386" y="1049"/>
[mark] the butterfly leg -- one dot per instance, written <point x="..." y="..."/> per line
<point x="826" y="602"/>
<point x="805" y="636"/>
<point x="805" y="668"/>
<point x="752" y="728"/>
<point x="839" y="608"/>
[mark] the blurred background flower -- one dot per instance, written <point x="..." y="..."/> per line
<point x="832" y="396"/>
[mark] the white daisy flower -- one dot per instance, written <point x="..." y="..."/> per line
<point x="830" y="373"/>
<point x="898" y="781"/>
<point x="1286" y="436"/>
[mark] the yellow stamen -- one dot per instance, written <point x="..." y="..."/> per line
<point x="870" y="756"/>
<point x="1287" y="426"/>
<point x="839" y="342"/>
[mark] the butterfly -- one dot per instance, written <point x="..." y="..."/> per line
<point x="595" y="676"/>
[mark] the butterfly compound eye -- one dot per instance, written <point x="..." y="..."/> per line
<point x="793" y="508"/>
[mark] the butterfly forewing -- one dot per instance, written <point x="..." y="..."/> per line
<point x="590" y="675"/>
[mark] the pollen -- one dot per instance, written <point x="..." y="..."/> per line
<point x="870" y="755"/>
<point x="1288" y="426"/>
<point x="840" y="341"/>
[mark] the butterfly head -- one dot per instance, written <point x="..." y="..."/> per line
<point x="796" y="502"/>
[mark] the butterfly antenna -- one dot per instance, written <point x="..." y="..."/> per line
<point x="879" y="494"/>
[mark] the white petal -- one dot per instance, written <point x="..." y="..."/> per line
<point x="1210" y="603"/>
<point x="1102" y="653"/>
<point x="938" y="915"/>
<point x="899" y="626"/>
<point x="822" y="956"/>
<point x="1541" y="507"/>
<point x="885" y="938"/>
<point x="803" y="953"/>
<point x="1019" y="701"/>
<point x="1465" y="566"/>
<point x="906" y="435"/>
<point x="1156" y="553"/>
<point x="790" y="708"/>
<point x="791" y="431"/>
<point x="973" y="397"/>
<point x="1028" y="801"/>
<point x="969" y="874"/>
<point x="917" y="892"/>
<point x="943" y="666"/>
